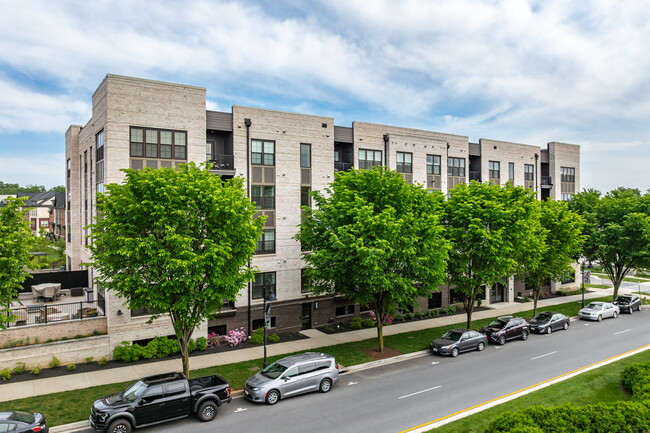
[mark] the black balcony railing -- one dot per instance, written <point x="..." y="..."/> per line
<point x="546" y="180"/>
<point x="342" y="166"/>
<point x="475" y="175"/>
<point x="222" y="161"/>
<point x="41" y="313"/>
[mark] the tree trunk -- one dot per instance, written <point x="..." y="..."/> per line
<point x="380" y="334"/>
<point x="468" y="303"/>
<point x="536" y="291"/>
<point x="183" y="342"/>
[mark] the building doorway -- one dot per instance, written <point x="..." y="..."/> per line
<point x="497" y="293"/>
<point x="305" y="315"/>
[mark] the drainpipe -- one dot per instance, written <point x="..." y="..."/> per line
<point x="386" y="148"/>
<point x="247" y="122"/>
<point x="536" y="192"/>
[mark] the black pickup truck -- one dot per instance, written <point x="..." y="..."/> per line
<point x="160" y="398"/>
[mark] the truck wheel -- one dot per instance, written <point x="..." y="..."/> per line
<point x="207" y="411"/>
<point x="120" y="426"/>
<point x="325" y="385"/>
<point x="502" y="340"/>
<point x="272" y="397"/>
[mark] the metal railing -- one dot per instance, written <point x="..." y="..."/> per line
<point x="475" y="175"/>
<point x="222" y="161"/>
<point x="546" y="180"/>
<point x="41" y="313"/>
<point x="342" y="166"/>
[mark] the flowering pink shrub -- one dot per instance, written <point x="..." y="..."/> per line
<point x="235" y="337"/>
<point x="385" y="319"/>
<point x="214" y="340"/>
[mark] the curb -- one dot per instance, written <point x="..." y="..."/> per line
<point x="372" y="364"/>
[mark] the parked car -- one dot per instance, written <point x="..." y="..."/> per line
<point x="599" y="311"/>
<point x="160" y="398"/>
<point x="291" y="376"/>
<point x="506" y="328"/>
<point x="19" y="422"/>
<point x="628" y="303"/>
<point x="547" y="322"/>
<point x="456" y="341"/>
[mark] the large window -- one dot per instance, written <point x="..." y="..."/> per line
<point x="495" y="169"/>
<point x="305" y="155"/>
<point x="304" y="282"/>
<point x="262" y="152"/>
<point x="568" y="174"/>
<point x="529" y="173"/>
<point x="369" y="158"/>
<point x="266" y="242"/>
<point x="305" y="198"/>
<point x="263" y="283"/>
<point x="158" y="143"/>
<point x="99" y="145"/>
<point x="433" y="164"/>
<point x="263" y="196"/>
<point x="404" y="162"/>
<point x="511" y="171"/>
<point x="456" y="167"/>
<point x="344" y="310"/>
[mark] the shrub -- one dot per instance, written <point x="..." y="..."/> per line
<point x="435" y="312"/>
<point x="214" y="340"/>
<point x="89" y="359"/>
<point x="19" y="368"/>
<point x="54" y="362"/>
<point x="102" y="361"/>
<point x="368" y="323"/>
<point x="237" y="336"/>
<point x="341" y="325"/>
<point x="5" y="374"/>
<point x="328" y="329"/>
<point x="258" y="336"/>
<point x="355" y="323"/>
<point x="632" y="372"/>
<point x="273" y="338"/>
<point x="91" y="313"/>
<point x="399" y="318"/>
<point x="419" y="315"/>
<point x="36" y="370"/>
<point x="71" y="366"/>
<point x="201" y="344"/>
<point x="408" y="316"/>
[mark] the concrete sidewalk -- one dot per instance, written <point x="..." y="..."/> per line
<point x="316" y="339"/>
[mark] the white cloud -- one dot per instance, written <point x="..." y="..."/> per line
<point x="47" y="169"/>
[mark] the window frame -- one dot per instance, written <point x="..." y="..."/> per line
<point x="262" y="203"/>
<point x="262" y="244"/>
<point x="308" y="156"/>
<point x="264" y="276"/>
<point x="432" y="165"/>
<point x="366" y="164"/>
<point x="263" y="154"/>
<point x="403" y="166"/>
<point x="529" y="172"/>
<point x="155" y="150"/>
<point x="456" y="170"/>
<point x="511" y="171"/>
<point x="494" y="169"/>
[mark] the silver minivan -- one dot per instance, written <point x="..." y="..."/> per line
<point x="291" y="376"/>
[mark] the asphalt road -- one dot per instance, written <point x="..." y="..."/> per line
<point x="399" y="396"/>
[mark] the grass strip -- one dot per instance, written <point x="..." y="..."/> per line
<point x="72" y="406"/>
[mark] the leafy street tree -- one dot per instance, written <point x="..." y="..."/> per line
<point x="562" y="235"/>
<point x="494" y="231"/>
<point x="617" y="229"/>
<point x="175" y="241"/>
<point x="14" y="253"/>
<point x="376" y="240"/>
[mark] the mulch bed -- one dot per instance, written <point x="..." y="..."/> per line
<point x="47" y="372"/>
<point x="388" y="352"/>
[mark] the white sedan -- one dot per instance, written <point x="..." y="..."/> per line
<point x="599" y="311"/>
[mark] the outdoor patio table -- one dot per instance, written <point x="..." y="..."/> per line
<point x="47" y="290"/>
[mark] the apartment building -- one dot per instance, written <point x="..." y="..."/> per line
<point x="139" y="123"/>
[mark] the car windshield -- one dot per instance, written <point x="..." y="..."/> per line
<point x="24" y="417"/>
<point x="452" y="335"/>
<point x="498" y="324"/>
<point x="135" y="391"/>
<point x="595" y="306"/>
<point x="623" y="300"/>
<point x="274" y="370"/>
<point x="543" y="317"/>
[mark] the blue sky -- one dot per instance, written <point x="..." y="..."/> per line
<point x="524" y="71"/>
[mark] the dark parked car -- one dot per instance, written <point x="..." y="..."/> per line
<point x="160" y="398"/>
<point x="628" y="303"/>
<point x="506" y="328"/>
<point x="547" y="322"/>
<point x="458" y="340"/>
<point x="19" y="422"/>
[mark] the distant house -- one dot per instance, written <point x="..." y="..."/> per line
<point x="47" y="211"/>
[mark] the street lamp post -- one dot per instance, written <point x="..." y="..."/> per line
<point x="269" y="296"/>
<point x="582" y="281"/>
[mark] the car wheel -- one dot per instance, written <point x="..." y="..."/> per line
<point x="524" y="335"/>
<point x="600" y="318"/>
<point x="638" y="308"/>
<point x="566" y="325"/>
<point x="454" y="352"/>
<point x="325" y="385"/>
<point x="549" y="330"/>
<point x="480" y="346"/>
<point x="615" y="315"/>
<point x="502" y="340"/>
<point x="272" y="397"/>
<point x="631" y="310"/>
<point x="207" y="411"/>
<point x="120" y="426"/>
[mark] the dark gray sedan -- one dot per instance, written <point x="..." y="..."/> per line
<point x="628" y="303"/>
<point x="547" y="322"/>
<point x="458" y="340"/>
<point x="18" y="422"/>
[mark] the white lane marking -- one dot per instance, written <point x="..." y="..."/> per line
<point x="620" y="332"/>
<point x="240" y="409"/>
<point x="586" y="324"/>
<point x="419" y="392"/>
<point x="546" y="354"/>
<point x="497" y="347"/>
<point x="434" y="363"/>
<point x="352" y="383"/>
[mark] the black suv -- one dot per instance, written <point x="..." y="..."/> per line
<point x="628" y="303"/>
<point x="506" y="328"/>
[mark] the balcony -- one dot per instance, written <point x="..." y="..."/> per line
<point x="342" y="166"/>
<point x="221" y="161"/>
<point x="475" y="175"/>
<point x="547" y="181"/>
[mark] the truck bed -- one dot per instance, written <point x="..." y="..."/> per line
<point x="200" y="383"/>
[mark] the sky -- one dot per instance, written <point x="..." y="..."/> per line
<point x="523" y="71"/>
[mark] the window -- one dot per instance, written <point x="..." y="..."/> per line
<point x="99" y="145"/>
<point x="173" y="389"/>
<point x="567" y="197"/>
<point x="369" y="158"/>
<point x="263" y="196"/>
<point x="433" y="164"/>
<point x="435" y="301"/>
<point x="263" y="282"/>
<point x="143" y="311"/>
<point x="305" y="155"/>
<point x="529" y="172"/>
<point x="511" y="171"/>
<point x="262" y="152"/>
<point x="495" y="169"/>
<point x="32" y="213"/>
<point x="153" y="394"/>
<point x="305" y="198"/>
<point x="344" y="310"/>
<point x="304" y="282"/>
<point x="158" y="143"/>
<point x="259" y="323"/>
<point x="266" y="243"/>
<point x="404" y="162"/>
<point x="568" y="174"/>
<point x="456" y="167"/>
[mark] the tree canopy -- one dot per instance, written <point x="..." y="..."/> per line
<point x="14" y="188"/>
<point x="494" y="231"/>
<point x="617" y="230"/>
<point x="15" y="236"/>
<point x="375" y="239"/>
<point x="175" y="241"/>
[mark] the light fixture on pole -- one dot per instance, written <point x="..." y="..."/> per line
<point x="269" y="296"/>
<point x="582" y="281"/>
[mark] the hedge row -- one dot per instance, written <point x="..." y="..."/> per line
<point x="159" y="347"/>
<point x="629" y="416"/>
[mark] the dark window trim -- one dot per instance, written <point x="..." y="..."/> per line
<point x="262" y="244"/>
<point x="369" y="163"/>
<point x="158" y="144"/>
<point x="404" y="167"/>
<point x="309" y="146"/>
<point x="263" y="201"/>
<point x="265" y="278"/>
<point x="456" y="170"/>
<point x="263" y="153"/>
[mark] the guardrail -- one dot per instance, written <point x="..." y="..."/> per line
<point x="41" y="313"/>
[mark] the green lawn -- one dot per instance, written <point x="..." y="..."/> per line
<point x="71" y="406"/>
<point x="602" y="385"/>
<point x="628" y="279"/>
<point x="597" y="286"/>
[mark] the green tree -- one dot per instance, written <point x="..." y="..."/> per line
<point x="175" y="241"/>
<point x="617" y="229"/>
<point x="376" y="240"/>
<point x="494" y="231"/>
<point x="14" y="253"/>
<point x="562" y="236"/>
<point x="14" y="188"/>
